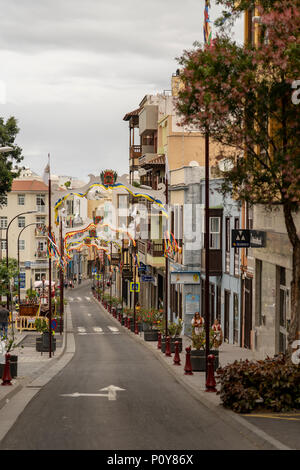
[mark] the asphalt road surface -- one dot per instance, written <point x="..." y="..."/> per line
<point x="152" y="412"/>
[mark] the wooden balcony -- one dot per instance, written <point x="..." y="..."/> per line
<point x="215" y="262"/>
<point x="135" y="151"/>
<point x="156" y="249"/>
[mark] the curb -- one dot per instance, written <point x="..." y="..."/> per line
<point x="252" y="432"/>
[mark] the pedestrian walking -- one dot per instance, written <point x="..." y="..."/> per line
<point x="4" y="316"/>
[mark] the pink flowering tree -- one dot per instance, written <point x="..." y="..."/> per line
<point x="243" y="97"/>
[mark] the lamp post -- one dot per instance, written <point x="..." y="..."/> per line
<point x="7" y="228"/>
<point x="18" y="248"/>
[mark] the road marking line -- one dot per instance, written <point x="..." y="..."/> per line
<point x="81" y="329"/>
<point x="273" y="417"/>
<point x="79" y="299"/>
<point x="113" y="329"/>
<point x="88" y="298"/>
<point x="97" y="329"/>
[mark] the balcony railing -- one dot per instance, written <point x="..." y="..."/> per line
<point x="135" y="151"/>
<point x="41" y="254"/>
<point x="142" y="247"/>
<point x="155" y="248"/>
<point x="41" y="231"/>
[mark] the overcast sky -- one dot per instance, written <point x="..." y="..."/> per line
<point x="71" y="70"/>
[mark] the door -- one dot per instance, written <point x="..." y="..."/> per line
<point x="248" y="313"/>
<point x="226" y="314"/>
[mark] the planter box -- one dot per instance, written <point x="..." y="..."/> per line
<point x="151" y="335"/>
<point x="172" y="344"/>
<point x="13" y="367"/>
<point x="146" y="326"/>
<point x="44" y="347"/>
<point x="140" y="327"/>
<point x="198" y="360"/>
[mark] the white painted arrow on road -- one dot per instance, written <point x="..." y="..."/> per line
<point x="111" y="395"/>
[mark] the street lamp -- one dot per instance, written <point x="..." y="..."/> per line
<point x="18" y="246"/>
<point x="7" y="228"/>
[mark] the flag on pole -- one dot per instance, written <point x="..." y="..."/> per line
<point x="206" y="26"/>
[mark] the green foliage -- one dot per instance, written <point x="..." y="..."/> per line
<point x="41" y="324"/>
<point x="175" y="328"/>
<point x="31" y="294"/>
<point x="152" y="316"/>
<point x="273" y="383"/>
<point x="8" y="132"/>
<point x="199" y="341"/>
<point x="6" y="275"/>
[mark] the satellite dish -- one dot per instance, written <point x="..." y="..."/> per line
<point x="193" y="163"/>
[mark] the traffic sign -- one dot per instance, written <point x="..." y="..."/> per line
<point x="135" y="287"/>
<point x="54" y="324"/>
<point x="147" y="278"/>
<point x="240" y="238"/>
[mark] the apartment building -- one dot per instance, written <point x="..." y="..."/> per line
<point x="28" y="194"/>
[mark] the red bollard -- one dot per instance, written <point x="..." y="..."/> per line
<point x="168" y="349"/>
<point x="6" y="378"/>
<point x="129" y="323"/>
<point x="188" y="365"/>
<point x="210" y="382"/>
<point x="136" y="329"/>
<point x="159" y="341"/>
<point x="176" y="356"/>
<point x="125" y="322"/>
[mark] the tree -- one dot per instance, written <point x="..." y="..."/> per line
<point x="242" y="96"/>
<point x="8" y="160"/>
<point x="7" y="274"/>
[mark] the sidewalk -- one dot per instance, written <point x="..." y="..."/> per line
<point x="195" y="384"/>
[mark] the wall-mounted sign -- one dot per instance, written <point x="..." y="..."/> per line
<point x="240" y="238"/>
<point x="147" y="279"/>
<point x="257" y="239"/>
<point x="185" y="277"/>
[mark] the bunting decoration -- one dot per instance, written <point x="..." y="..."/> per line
<point x="54" y="252"/>
<point x="157" y="202"/>
<point x="170" y="245"/>
<point x="206" y="26"/>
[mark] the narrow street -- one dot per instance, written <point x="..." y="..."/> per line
<point x="153" y="411"/>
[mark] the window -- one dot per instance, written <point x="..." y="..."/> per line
<point x="214" y="233"/>
<point x="21" y="199"/>
<point x="21" y="222"/>
<point x="3" y="222"/>
<point x="21" y="244"/>
<point x="40" y="246"/>
<point x="235" y="318"/>
<point x="4" y="203"/>
<point x="3" y="244"/>
<point x="227" y="245"/>
<point x="236" y="250"/>
<point x="40" y="202"/>
<point x="41" y="219"/>
<point x="38" y="274"/>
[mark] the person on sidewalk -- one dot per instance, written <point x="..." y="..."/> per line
<point x="197" y="323"/>
<point x="218" y="334"/>
<point x="4" y="316"/>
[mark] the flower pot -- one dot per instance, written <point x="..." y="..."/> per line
<point x="146" y="326"/>
<point x="13" y="367"/>
<point x="172" y="344"/>
<point x="151" y="335"/>
<point x="198" y="359"/>
<point x="45" y="347"/>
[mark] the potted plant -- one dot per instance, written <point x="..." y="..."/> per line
<point x="198" y="354"/>
<point x="174" y="331"/>
<point x="43" y="343"/>
<point x="152" y="318"/>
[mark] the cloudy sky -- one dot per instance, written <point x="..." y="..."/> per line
<point x="71" y="69"/>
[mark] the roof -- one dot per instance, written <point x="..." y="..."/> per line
<point x="131" y="114"/>
<point x="159" y="160"/>
<point x="28" y="185"/>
